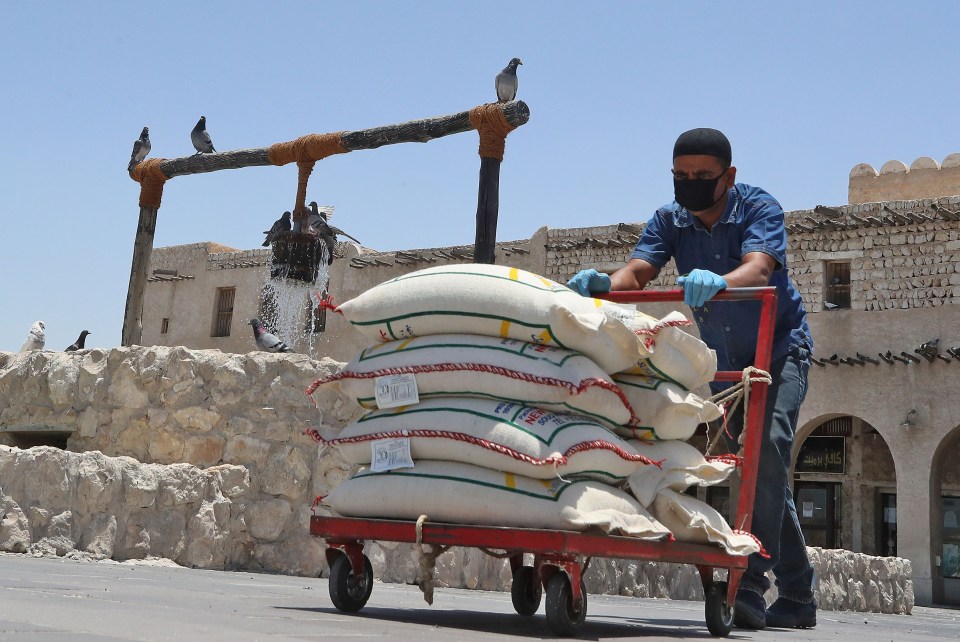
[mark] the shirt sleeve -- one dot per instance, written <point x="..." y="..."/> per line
<point x="655" y="245"/>
<point x="764" y="229"/>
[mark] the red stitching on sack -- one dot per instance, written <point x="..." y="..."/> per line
<point x="726" y="459"/>
<point x="489" y="445"/>
<point x="660" y="325"/>
<point x="763" y="552"/>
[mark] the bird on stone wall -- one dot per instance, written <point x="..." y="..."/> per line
<point x="78" y="344"/>
<point x="200" y="138"/>
<point x="36" y="337"/>
<point x="282" y="224"/>
<point x="267" y="341"/>
<point x="141" y="147"/>
<point x="317" y="224"/>
<point x="506" y="82"/>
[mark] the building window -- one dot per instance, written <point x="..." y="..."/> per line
<point x="950" y="560"/>
<point x="317" y="317"/>
<point x="164" y="326"/>
<point x="223" y="312"/>
<point x="836" y="293"/>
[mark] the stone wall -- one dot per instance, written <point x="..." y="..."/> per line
<point x="172" y="405"/>
<point x="925" y="178"/>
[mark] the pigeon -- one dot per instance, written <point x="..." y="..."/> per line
<point x="506" y="82"/>
<point x="200" y="138"/>
<point x="317" y="224"/>
<point x="830" y="306"/>
<point x="78" y="344"/>
<point x="141" y="147"/>
<point x="282" y="224"/>
<point x="318" y="215"/>
<point x="265" y="340"/>
<point x="35" y="338"/>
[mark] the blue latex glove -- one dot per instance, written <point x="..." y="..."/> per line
<point x="700" y="286"/>
<point x="588" y="282"/>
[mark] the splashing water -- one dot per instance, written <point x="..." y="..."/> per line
<point x="287" y="305"/>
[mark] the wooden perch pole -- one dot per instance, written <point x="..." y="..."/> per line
<point x="305" y="151"/>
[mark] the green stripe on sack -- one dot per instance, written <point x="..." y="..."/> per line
<point x="370" y="403"/>
<point x="542" y="287"/>
<point x="502" y="420"/>
<point x="380" y="352"/>
<point x="402" y="472"/>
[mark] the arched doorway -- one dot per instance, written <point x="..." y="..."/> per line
<point x="845" y="486"/>
<point x="945" y="480"/>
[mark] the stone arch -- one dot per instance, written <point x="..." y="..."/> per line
<point x="945" y="518"/>
<point x="859" y="495"/>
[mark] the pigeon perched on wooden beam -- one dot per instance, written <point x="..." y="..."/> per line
<point x="506" y="82"/>
<point x="78" y="344"/>
<point x="141" y="147"/>
<point x="282" y="224"/>
<point x="200" y="138"/>
<point x="267" y="341"/>
<point x="36" y="337"/>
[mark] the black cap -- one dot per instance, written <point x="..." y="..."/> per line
<point x="703" y="141"/>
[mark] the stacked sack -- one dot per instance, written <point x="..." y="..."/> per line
<point x="491" y="403"/>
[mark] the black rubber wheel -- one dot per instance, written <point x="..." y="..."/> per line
<point x="719" y="613"/>
<point x="526" y="591"/>
<point x="561" y="618"/>
<point x="346" y="595"/>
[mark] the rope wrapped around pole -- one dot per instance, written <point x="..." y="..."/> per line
<point x="151" y="179"/>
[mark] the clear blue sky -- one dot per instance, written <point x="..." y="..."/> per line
<point x="805" y="91"/>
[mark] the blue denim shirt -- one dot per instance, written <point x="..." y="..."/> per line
<point x="752" y="222"/>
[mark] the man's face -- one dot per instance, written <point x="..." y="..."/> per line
<point x="700" y="170"/>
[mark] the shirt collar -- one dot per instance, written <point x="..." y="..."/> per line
<point x="683" y="218"/>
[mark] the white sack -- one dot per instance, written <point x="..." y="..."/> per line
<point x="691" y="520"/>
<point x="662" y="410"/>
<point x="466" y="494"/>
<point x="681" y="466"/>
<point x="497" y="301"/>
<point x="461" y="365"/>
<point x="498" y="435"/>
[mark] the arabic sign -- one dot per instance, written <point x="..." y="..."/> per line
<point x="821" y="455"/>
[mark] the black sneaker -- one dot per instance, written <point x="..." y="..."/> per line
<point x="750" y="610"/>
<point x="787" y="614"/>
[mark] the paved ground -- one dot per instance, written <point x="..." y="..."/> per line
<point x="59" y="599"/>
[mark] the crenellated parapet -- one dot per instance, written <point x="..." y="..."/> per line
<point x="924" y="178"/>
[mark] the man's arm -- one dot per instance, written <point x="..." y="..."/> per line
<point x="754" y="271"/>
<point x="633" y="276"/>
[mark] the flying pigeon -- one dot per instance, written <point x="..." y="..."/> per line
<point x="506" y="82"/>
<point x="317" y="224"/>
<point x="35" y="338"/>
<point x="141" y="147"/>
<point x="282" y="224"/>
<point x="318" y="215"/>
<point x="200" y="138"/>
<point x="78" y="344"/>
<point x="265" y="340"/>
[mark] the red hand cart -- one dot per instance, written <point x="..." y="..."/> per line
<point x="557" y="555"/>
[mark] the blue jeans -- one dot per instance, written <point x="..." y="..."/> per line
<point x="775" y="520"/>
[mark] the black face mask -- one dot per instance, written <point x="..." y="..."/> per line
<point x="696" y="194"/>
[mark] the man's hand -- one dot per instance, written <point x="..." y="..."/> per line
<point x="700" y="286"/>
<point x="588" y="282"/>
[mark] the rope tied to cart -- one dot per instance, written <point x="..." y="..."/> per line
<point x="427" y="562"/>
<point x="731" y="398"/>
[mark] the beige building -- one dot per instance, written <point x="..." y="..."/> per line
<point x="879" y="433"/>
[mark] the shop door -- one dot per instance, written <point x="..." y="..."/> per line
<point x="818" y="507"/>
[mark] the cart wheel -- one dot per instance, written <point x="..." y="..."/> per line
<point x="719" y="613"/>
<point x="526" y="591"/>
<point x="561" y="618"/>
<point x="346" y="595"/>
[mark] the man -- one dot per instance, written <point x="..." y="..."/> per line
<point x="723" y="234"/>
